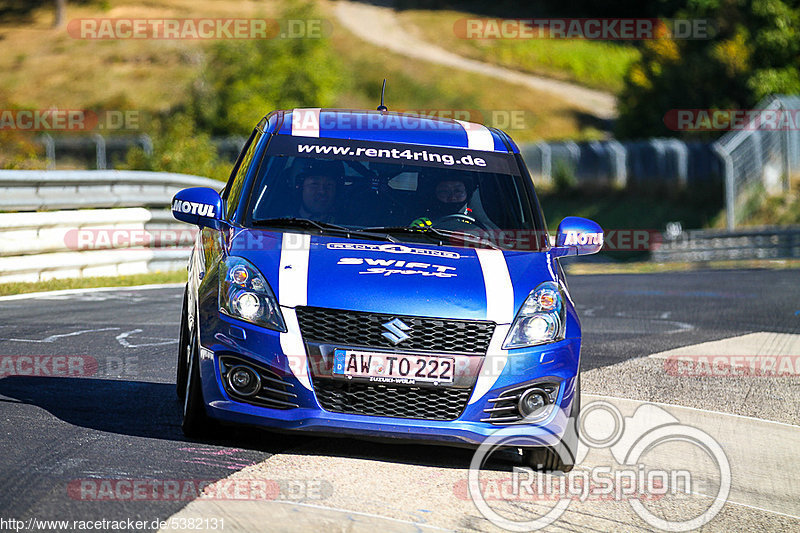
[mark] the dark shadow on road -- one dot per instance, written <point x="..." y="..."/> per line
<point x="151" y="410"/>
<point x="133" y="408"/>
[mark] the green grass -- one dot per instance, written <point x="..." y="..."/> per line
<point x="178" y="276"/>
<point x="627" y="210"/>
<point x="621" y="210"/>
<point x="597" y="64"/>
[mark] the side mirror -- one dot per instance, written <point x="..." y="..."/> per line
<point x="200" y="206"/>
<point x="578" y="236"/>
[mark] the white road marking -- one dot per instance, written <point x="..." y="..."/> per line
<point x="762" y="343"/>
<point x="122" y="339"/>
<point x="660" y="404"/>
<point x="631" y="324"/>
<point x="53" y="338"/>
<point x="68" y="292"/>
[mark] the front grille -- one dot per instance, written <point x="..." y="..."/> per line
<point x="353" y="328"/>
<point x="503" y="409"/>
<point x="275" y="392"/>
<point x="394" y="402"/>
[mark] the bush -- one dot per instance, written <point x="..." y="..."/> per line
<point x="179" y="147"/>
<point x="243" y="80"/>
<point x="20" y="152"/>
<point x="564" y="179"/>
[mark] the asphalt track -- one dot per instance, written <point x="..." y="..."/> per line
<point x="118" y="422"/>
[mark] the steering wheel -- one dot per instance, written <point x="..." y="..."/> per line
<point x="460" y="217"/>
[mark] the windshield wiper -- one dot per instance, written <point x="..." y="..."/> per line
<point x="296" y="222"/>
<point x="432" y="232"/>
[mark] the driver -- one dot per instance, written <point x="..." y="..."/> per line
<point x="450" y="197"/>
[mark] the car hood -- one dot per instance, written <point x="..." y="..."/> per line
<point x="394" y="278"/>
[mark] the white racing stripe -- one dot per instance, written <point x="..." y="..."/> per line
<point x="305" y="122"/>
<point x="478" y="136"/>
<point x="497" y="280"/>
<point x="293" y="291"/>
<point x="500" y="310"/>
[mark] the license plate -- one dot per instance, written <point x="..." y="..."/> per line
<point x="393" y="368"/>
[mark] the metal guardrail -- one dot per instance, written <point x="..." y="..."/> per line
<point x="127" y="229"/>
<point x="778" y="242"/>
<point x="32" y="190"/>
<point x="103" y="150"/>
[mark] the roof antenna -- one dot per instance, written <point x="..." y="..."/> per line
<point x="382" y="107"/>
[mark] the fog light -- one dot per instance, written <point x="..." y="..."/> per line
<point x="533" y="402"/>
<point x="244" y="380"/>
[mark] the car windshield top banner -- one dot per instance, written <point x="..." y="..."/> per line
<point x="394" y="153"/>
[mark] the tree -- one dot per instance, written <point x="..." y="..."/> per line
<point x="754" y="52"/>
<point x="243" y="80"/>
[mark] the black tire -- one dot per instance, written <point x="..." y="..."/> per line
<point x="196" y="422"/>
<point x="560" y="458"/>
<point x="184" y="350"/>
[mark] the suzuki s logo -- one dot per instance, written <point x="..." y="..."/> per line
<point x="396" y="331"/>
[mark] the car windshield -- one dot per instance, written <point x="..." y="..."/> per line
<point x="402" y="193"/>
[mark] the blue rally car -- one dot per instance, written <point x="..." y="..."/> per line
<point x="381" y="275"/>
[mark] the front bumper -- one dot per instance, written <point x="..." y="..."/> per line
<point x="500" y="371"/>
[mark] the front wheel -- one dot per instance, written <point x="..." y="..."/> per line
<point x="196" y="422"/>
<point x="561" y="457"/>
<point x="184" y="350"/>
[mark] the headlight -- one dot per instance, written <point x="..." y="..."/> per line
<point x="245" y="294"/>
<point x="540" y="319"/>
